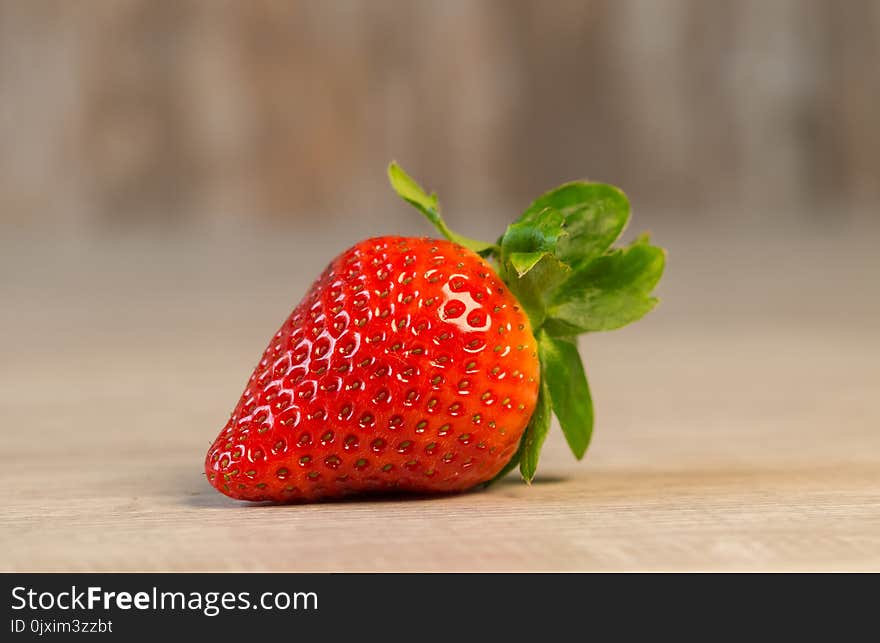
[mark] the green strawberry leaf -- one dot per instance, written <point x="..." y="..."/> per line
<point x="566" y="381"/>
<point x="428" y="204"/>
<point x="539" y="233"/>
<point x="595" y="215"/>
<point x="411" y="191"/>
<point x="609" y="292"/>
<point x="526" y="242"/>
<point x="533" y="288"/>
<point x="522" y="262"/>
<point x="558" y="262"/>
<point x="536" y="432"/>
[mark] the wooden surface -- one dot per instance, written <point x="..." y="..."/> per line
<point x="737" y="428"/>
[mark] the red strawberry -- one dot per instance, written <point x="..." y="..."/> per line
<point x="410" y="365"/>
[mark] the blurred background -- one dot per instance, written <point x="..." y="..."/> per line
<point x="118" y="112"/>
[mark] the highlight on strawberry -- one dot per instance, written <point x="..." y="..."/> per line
<point x="424" y="365"/>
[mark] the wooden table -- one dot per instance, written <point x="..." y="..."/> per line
<point x="738" y="427"/>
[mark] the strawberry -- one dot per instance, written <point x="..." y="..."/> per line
<point x="424" y="365"/>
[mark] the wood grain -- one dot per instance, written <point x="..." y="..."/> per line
<point x="738" y="427"/>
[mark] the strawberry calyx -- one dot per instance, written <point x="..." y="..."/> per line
<point x="558" y="260"/>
